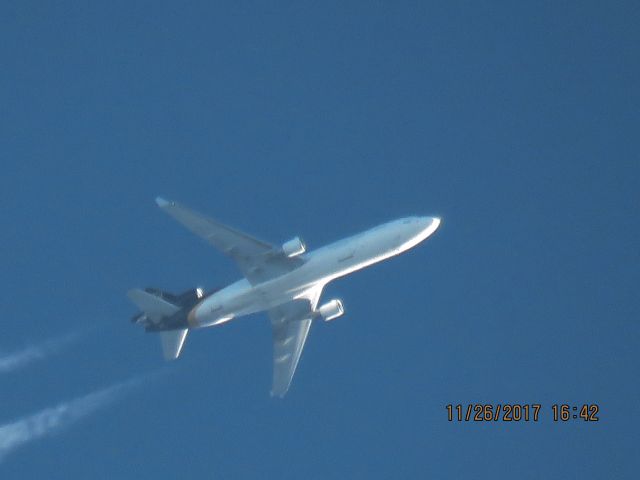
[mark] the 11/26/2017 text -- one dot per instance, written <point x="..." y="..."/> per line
<point x="515" y="412"/>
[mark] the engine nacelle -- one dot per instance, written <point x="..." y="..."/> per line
<point x="294" y="247"/>
<point x="330" y="310"/>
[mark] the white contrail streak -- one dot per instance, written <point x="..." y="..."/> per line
<point x="20" y="432"/>
<point x="21" y="358"/>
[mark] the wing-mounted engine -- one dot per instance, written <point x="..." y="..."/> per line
<point x="294" y="247"/>
<point x="331" y="310"/>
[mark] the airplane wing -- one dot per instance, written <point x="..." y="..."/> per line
<point x="259" y="261"/>
<point x="290" y="324"/>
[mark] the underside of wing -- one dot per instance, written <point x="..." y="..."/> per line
<point x="288" y="342"/>
<point x="259" y="261"/>
<point x="290" y="324"/>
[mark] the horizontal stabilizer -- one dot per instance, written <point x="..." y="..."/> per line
<point x="155" y="307"/>
<point x="172" y="342"/>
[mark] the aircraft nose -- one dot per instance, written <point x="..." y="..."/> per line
<point x="429" y="225"/>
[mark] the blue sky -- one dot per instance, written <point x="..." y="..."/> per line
<point x="517" y="124"/>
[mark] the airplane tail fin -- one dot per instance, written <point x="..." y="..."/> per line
<point x="154" y="306"/>
<point x="155" y="310"/>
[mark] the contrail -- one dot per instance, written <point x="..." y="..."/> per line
<point x="20" y="432"/>
<point x="21" y="358"/>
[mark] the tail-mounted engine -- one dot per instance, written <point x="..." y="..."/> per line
<point x="185" y="301"/>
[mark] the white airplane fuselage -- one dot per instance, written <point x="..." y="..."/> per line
<point x="321" y="267"/>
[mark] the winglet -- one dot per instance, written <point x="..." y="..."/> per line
<point x="162" y="202"/>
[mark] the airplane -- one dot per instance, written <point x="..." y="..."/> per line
<point x="286" y="281"/>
